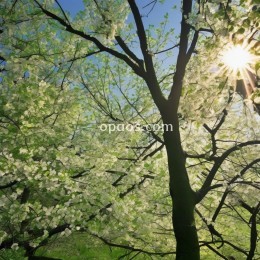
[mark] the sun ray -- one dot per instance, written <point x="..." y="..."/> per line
<point x="250" y="79"/>
<point x="246" y="78"/>
<point x="238" y="62"/>
<point x="237" y="57"/>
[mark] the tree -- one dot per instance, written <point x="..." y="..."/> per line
<point x="51" y="61"/>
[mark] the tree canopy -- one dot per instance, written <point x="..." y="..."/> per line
<point x="80" y="98"/>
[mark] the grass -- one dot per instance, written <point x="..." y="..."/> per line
<point x="80" y="246"/>
<point x="9" y="254"/>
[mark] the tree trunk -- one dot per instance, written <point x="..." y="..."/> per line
<point x="42" y="258"/>
<point x="183" y="197"/>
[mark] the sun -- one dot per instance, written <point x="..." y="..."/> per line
<point x="237" y="58"/>
<point x="237" y="63"/>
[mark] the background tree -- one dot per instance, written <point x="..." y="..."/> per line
<point x="62" y="77"/>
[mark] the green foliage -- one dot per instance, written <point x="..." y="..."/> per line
<point x="79" y="246"/>
<point x="10" y="254"/>
<point x="60" y="173"/>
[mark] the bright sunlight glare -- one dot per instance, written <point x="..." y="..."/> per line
<point x="237" y="58"/>
<point x="237" y="63"/>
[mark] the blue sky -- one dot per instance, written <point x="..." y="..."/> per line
<point x="155" y="17"/>
<point x="73" y="6"/>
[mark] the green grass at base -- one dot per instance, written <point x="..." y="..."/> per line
<point x="80" y="246"/>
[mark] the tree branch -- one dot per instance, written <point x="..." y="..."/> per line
<point x="193" y="45"/>
<point x="133" y="249"/>
<point x="126" y="49"/>
<point x="8" y="185"/>
<point x="168" y="49"/>
<point x="218" y="162"/>
<point x="253" y="235"/>
<point x="150" y="76"/>
<point x="57" y="2"/>
<point x="92" y="39"/>
<point x="182" y="60"/>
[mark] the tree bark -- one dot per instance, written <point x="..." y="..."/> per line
<point x="183" y="197"/>
<point x="42" y="258"/>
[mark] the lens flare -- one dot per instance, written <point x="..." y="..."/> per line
<point x="237" y="58"/>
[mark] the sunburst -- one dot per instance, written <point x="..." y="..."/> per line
<point x="238" y="63"/>
<point x="237" y="58"/>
